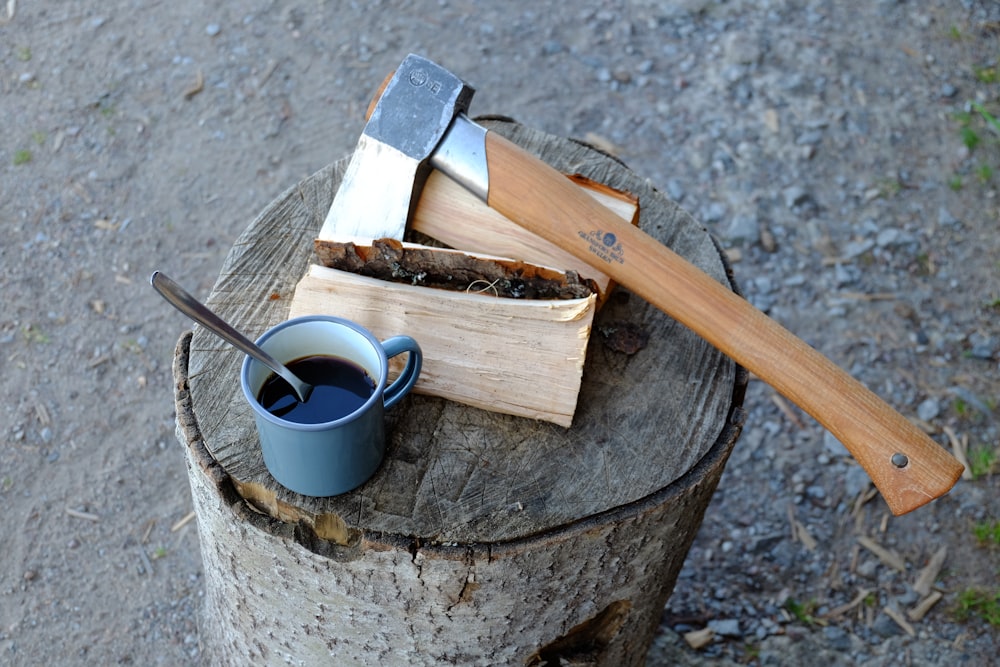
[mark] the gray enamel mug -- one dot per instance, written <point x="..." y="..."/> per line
<point x="340" y="443"/>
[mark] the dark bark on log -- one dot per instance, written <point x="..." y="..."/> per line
<point x="388" y="259"/>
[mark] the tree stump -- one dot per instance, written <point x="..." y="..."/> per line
<point x="484" y="539"/>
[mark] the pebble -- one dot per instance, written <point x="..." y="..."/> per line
<point x="816" y="492"/>
<point x="982" y="346"/>
<point x="929" y="409"/>
<point x="810" y="138"/>
<point x="714" y="212"/>
<point x="885" y="626"/>
<point x="726" y="627"/>
<point x="213" y="29"/>
<point x="856" y="481"/>
<point x="837" y="637"/>
<point x="945" y="218"/>
<point x="868" y="569"/>
<point x="855" y="249"/>
<point x="891" y="237"/>
<point x="552" y="47"/>
<point x="740" y="48"/>
<point x="675" y="190"/>
<point x="743" y="228"/>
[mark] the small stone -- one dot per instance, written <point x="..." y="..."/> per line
<point x="838" y="638"/>
<point x="982" y="347"/>
<point x="945" y="218"/>
<point x="213" y="29"/>
<point x="929" y="409"/>
<point x="833" y="445"/>
<point x="868" y="569"/>
<point x="888" y="238"/>
<point x="714" y="212"/>
<point x="744" y="228"/>
<point x="856" y="481"/>
<point x="844" y="275"/>
<point x="884" y="626"/>
<point x="552" y="47"/>
<point x="797" y="197"/>
<point x="30" y="575"/>
<point x="854" y="249"/>
<point x="816" y="492"/>
<point x="948" y="90"/>
<point x="729" y="627"/>
<point x="622" y="76"/>
<point x="675" y="189"/>
<point x="810" y="138"/>
<point x="908" y="598"/>
<point x="740" y="49"/>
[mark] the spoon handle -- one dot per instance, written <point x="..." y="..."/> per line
<point x="190" y="306"/>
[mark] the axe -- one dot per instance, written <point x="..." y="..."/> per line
<point x="419" y="122"/>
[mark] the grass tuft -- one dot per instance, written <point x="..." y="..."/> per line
<point x="987" y="532"/>
<point x="981" y="461"/>
<point x="978" y="602"/>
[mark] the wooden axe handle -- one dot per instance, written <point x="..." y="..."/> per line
<point x="537" y="197"/>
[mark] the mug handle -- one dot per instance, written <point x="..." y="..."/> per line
<point x="402" y="385"/>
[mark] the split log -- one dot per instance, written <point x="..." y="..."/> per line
<point x="484" y="539"/>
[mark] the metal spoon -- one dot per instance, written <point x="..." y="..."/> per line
<point x="197" y="311"/>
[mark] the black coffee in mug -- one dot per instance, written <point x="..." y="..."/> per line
<point x="339" y="388"/>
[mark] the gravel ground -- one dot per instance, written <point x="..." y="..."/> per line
<point x="833" y="147"/>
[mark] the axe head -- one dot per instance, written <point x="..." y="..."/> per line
<point x="390" y="164"/>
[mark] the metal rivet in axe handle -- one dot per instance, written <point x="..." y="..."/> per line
<point x="419" y="122"/>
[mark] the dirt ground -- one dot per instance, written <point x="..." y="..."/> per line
<point x="834" y="150"/>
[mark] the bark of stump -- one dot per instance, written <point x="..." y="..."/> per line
<point x="484" y="539"/>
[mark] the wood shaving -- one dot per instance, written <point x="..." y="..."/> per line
<point x="197" y="87"/>
<point x="11" y="11"/>
<point x="896" y="616"/>
<point x="183" y="522"/>
<point x="786" y="410"/>
<point x="959" y="447"/>
<point x="86" y="516"/>
<point x="887" y="556"/>
<point x="698" y="639"/>
<point x="918" y="612"/>
<point x="863" y="593"/>
<point x="928" y="575"/>
<point x="800" y="532"/>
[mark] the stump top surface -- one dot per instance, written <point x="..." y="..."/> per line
<point x="455" y="474"/>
